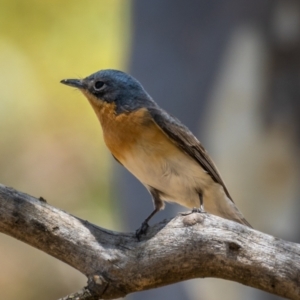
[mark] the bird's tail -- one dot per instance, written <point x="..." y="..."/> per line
<point x="244" y="222"/>
<point x="217" y="203"/>
<point x="232" y="213"/>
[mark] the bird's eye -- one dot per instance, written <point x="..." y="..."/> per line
<point x="98" y="85"/>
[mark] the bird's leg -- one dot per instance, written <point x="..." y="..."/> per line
<point x="201" y="209"/>
<point x="144" y="227"/>
<point x="158" y="204"/>
<point x="197" y="209"/>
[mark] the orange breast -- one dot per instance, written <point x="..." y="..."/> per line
<point x="124" y="131"/>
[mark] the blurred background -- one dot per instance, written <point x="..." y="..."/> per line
<point x="229" y="69"/>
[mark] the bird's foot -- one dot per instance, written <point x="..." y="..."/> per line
<point x="142" y="230"/>
<point x="195" y="210"/>
<point x="198" y="210"/>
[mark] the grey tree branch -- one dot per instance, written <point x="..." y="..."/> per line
<point x="188" y="246"/>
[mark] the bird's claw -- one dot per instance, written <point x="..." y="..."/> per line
<point x="195" y="210"/>
<point x="198" y="210"/>
<point x="142" y="230"/>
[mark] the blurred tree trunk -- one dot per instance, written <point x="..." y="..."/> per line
<point x="281" y="108"/>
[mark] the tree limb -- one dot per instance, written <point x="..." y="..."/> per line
<point x="188" y="246"/>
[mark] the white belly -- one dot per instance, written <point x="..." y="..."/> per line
<point x="179" y="177"/>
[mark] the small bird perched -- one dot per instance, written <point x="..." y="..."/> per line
<point x="155" y="147"/>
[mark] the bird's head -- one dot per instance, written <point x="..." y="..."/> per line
<point x="112" y="87"/>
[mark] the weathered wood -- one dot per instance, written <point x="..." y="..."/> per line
<point x="188" y="246"/>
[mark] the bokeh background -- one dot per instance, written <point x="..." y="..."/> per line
<point x="229" y="69"/>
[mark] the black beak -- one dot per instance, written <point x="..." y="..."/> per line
<point x="77" y="83"/>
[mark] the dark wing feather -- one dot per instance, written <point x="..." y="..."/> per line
<point x="184" y="139"/>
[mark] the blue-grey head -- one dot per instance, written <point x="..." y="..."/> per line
<point x="115" y="87"/>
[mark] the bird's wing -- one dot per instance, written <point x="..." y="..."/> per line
<point x="184" y="139"/>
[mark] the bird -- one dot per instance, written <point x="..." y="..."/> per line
<point x="161" y="152"/>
